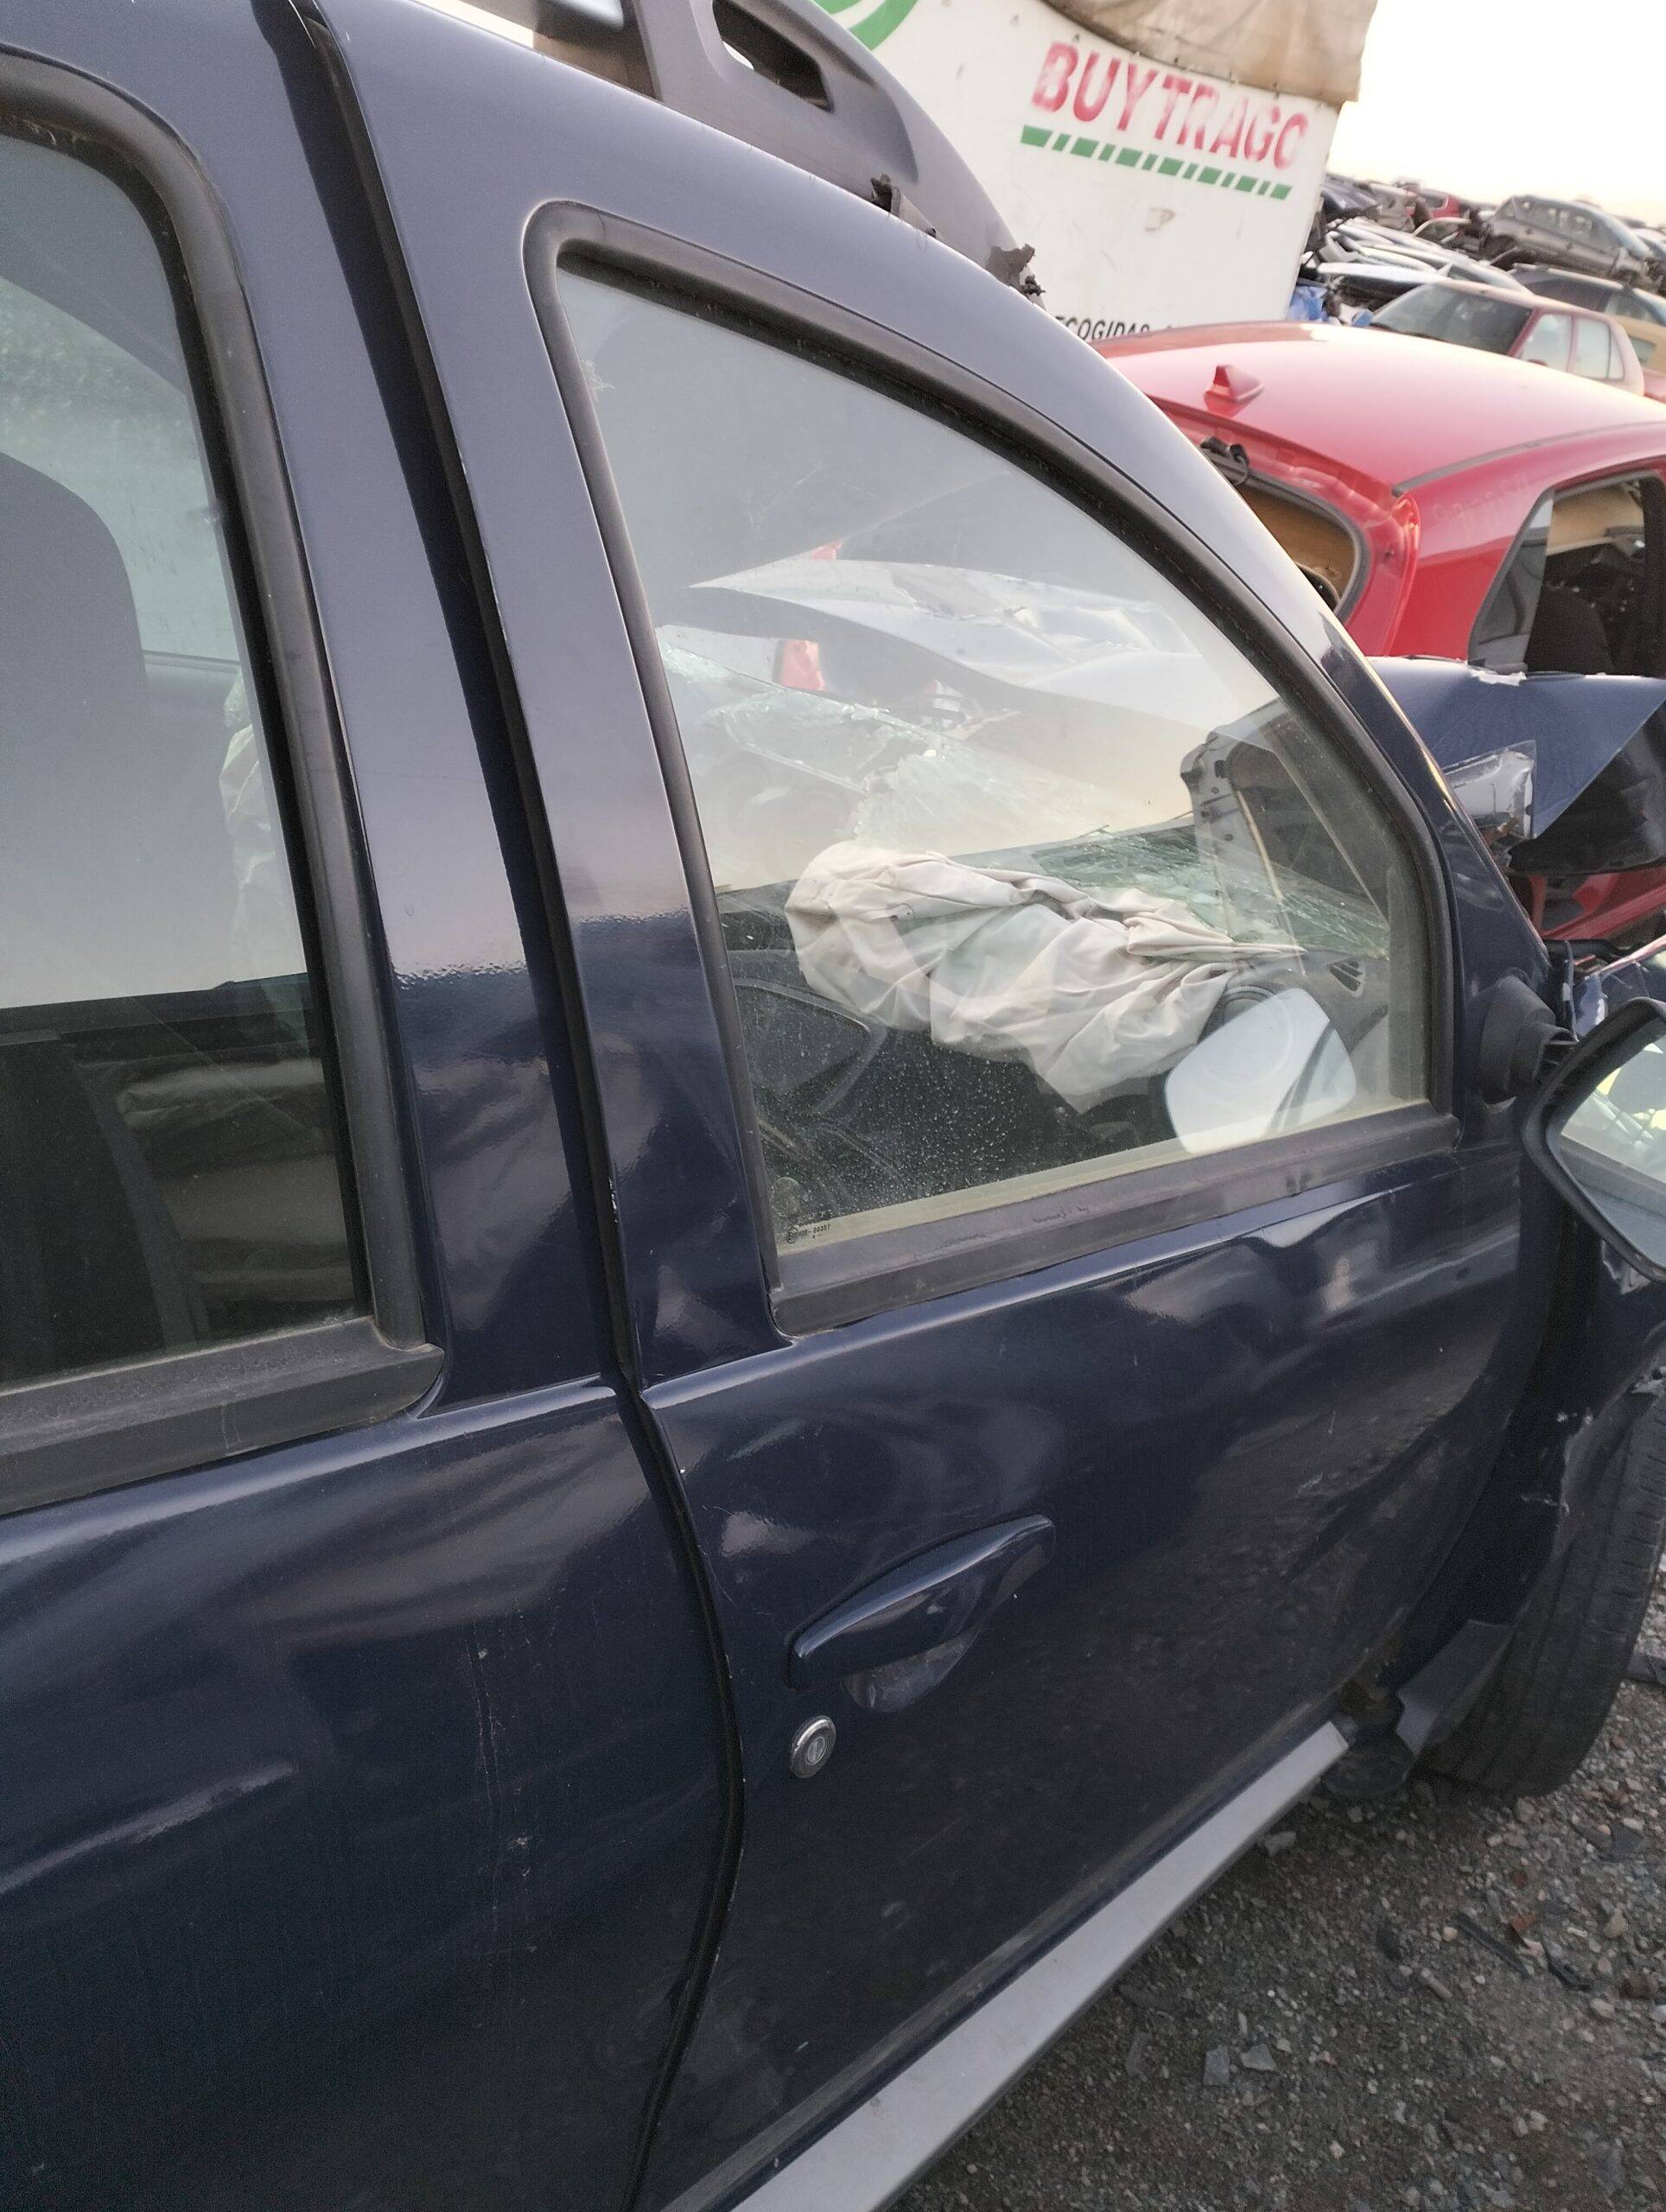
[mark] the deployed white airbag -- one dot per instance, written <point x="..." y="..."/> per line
<point x="1094" y="994"/>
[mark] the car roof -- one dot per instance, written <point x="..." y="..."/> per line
<point x="1391" y="409"/>
<point x="1532" y="274"/>
<point x="1582" y="206"/>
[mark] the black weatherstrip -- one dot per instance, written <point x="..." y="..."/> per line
<point x="638" y="1426"/>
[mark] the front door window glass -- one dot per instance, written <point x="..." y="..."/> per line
<point x="1027" y="875"/>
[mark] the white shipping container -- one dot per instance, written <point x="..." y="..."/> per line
<point x="1153" y="195"/>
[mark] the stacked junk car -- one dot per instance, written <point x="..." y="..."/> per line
<point x="817" y="1139"/>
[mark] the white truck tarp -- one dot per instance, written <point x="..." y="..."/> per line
<point x="1308" y="46"/>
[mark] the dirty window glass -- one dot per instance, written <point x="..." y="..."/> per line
<point x="1591" y="349"/>
<point x="1576" y="291"/>
<point x="169" y="1169"/>
<point x="1457" y="318"/>
<point x="1546" y="343"/>
<point x="1025" y="874"/>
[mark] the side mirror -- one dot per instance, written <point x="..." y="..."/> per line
<point x="1598" y="1130"/>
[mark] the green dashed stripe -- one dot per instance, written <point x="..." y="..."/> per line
<point x="1132" y="157"/>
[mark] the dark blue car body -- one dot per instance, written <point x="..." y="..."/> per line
<point x="398" y="1807"/>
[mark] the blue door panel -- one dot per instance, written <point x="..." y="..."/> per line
<point x="1254" y="1442"/>
<point x="363" y="1801"/>
<point x="358" y="1822"/>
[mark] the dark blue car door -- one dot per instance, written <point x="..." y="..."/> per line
<point x="364" y="1771"/>
<point x="1068" y="1472"/>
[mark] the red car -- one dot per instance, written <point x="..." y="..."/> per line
<point x="1444" y="501"/>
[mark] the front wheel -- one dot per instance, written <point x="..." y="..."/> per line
<point x="1544" y="1709"/>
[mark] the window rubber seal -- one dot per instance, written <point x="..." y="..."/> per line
<point x="847" y="1279"/>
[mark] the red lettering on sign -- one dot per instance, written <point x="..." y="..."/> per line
<point x="1258" y="139"/>
<point x="1057" y="71"/>
<point x="1205" y="98"/>
<point x="1229" y="139"/>
<point x="1289" y="141"/>
<point x="1177" y="88"/>
<point x="1135" y="88"/>
<point x="1086" y="103"/>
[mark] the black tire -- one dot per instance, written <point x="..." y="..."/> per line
<point x="1545" y="1706"/>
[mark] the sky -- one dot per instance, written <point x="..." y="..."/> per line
<point x="1490" y="97"/>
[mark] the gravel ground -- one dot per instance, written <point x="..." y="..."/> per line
<point x="1440" y="2001"/>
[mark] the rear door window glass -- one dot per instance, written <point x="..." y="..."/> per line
<point x="170" y="1153"/>
<point x="1549" y="341"/>
<point x="1593" y="356"/>
<point x="1025" y="874"/>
